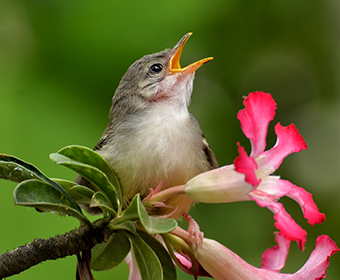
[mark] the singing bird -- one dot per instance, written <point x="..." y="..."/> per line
<point x="151" y="137"/>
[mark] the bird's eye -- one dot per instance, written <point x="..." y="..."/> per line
<point x="156" y="68"/>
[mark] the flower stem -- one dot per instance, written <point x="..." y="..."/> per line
<point x="168" y="193"/>
<point x="183" y="234"/>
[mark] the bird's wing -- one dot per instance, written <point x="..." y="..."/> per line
<point x="209" y="153"/>
<point x="101" y="142"/>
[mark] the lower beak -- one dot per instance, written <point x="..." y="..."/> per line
<point x="174" y="65"/>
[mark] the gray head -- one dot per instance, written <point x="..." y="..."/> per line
<point x="156" y="77"/>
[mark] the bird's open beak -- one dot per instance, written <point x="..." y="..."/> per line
<point x="174" y="64"/>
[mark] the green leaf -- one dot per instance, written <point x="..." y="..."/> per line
<point x="81" y="194"/>
<point x="43" y="196"/>
<point x="14" y="169"/>
<point x="97" y="178"/>
<point x="148" y="263"/>
<point x="127" y="225"/>
<point x="100" y="200"/>
<point x="169" y="269"/>
<point x="65" y="184"/>
<point x="131" y="213"/>
<point x="151" y="224"/>
<point x="15" y="172"/>
<point x="108" y="255"/>
<point x="90" y="157"/>
<point x="154" y="224"/>
<point x="161" y="225"/>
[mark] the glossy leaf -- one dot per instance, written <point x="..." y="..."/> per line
<point x="148" y="263"/>
<point x="17" y="170"/>
<point x="97" y="178"/>
<point x="108" y="255"/>
<point x="43" y="196"/>
<point x="169" y="269"/>
<point x="100" y="200"/>
<point x="90" y="157"/>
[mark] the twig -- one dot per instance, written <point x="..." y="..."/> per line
<point x="70" y="243"/>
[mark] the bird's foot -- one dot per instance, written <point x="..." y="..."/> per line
<point x="194" y="230"/>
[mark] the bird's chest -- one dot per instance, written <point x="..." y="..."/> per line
<point x="160" y="146"/>
<point x="169" y="143"/>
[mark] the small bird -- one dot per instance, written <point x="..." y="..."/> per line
<point x="151" y="137"/>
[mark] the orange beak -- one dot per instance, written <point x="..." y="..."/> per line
<point x="174" y="65"/>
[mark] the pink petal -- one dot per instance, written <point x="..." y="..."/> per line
<point x="132" y="264"/>
<point x="288" y="141"/>
<point x="278" y="188"/>
<point x="223" y="264"/>
<point x="275" y="258"/>
<point x="284" y="222"/>
<point x="315" y="267"/>
<point x="183" y="260"/>
<point x="259" y="111"/>
<point x="246" y="165"/>
<point x="305" y="199"/>
<point x="184" y="263"/>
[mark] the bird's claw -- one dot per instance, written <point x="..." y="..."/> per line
<point x="194" y="230"/>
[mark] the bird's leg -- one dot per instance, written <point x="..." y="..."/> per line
<point x="194" y="229"/>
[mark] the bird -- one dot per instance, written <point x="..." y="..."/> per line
<point x="151" y="136"/>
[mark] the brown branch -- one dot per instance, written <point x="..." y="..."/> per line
<point x="70" y="243"/>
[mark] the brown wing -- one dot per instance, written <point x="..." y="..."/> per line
<point x="209" y="153"/>
<point x="102" y="141"/>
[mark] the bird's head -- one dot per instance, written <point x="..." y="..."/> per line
<point x="159" y="77"/>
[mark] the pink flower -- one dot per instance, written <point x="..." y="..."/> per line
<point x="249" y="178"/>
<point x="223" y="264"/>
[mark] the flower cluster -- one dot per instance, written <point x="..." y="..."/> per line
<point x="250" y="178"/>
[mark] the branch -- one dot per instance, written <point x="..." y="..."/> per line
<point x="70" y="243"/>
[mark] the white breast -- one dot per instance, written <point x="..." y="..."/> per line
<point x="161" y="145"/>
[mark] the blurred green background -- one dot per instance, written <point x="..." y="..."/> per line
<point x="61" y="60"/>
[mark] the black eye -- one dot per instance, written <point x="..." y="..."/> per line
<point x="156" y="68"/>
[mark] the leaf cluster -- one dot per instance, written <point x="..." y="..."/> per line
<point x="132" y="230"/>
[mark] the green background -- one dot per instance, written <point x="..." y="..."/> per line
<point x="60" y="62"/>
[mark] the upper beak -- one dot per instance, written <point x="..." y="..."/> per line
<point x="174" y="64"/>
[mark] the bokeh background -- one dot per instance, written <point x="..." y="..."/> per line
<point x="60" y="62"/>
